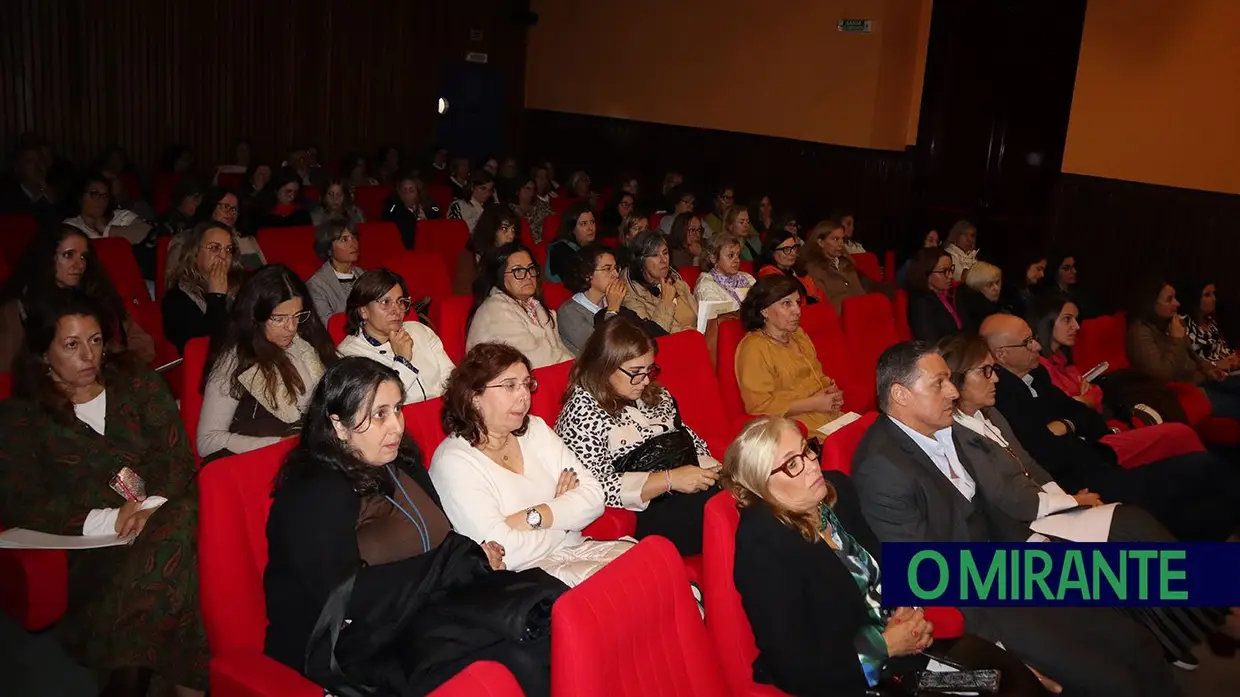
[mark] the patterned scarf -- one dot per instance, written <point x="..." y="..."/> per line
<point x="869" y="642"/>
<point x="730" y="283"/>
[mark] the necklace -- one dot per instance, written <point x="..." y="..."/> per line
<point x="772" y="337"/>
<point x="500" y="451"/>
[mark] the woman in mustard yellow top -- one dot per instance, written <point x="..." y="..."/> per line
<point x="777" y="367"/>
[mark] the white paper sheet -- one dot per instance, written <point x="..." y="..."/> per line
<point x="710" y="309"/>
<point x="840" y="422"/>
<point x="20" y="538"/>
<point x="1088" y="525"/>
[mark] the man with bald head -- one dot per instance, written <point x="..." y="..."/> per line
<point x="1196" y="495"/>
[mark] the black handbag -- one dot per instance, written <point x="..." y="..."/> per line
<point x="662" y="452"/>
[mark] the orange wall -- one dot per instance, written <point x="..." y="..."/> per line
<point x="773" y="68"/>
<point x="1157" y="95"/>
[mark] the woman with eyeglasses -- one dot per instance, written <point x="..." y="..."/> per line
<point x="498" y="226"/>
<point x="626" y="429"/>
<point x="376" y="329"/>
<point x="680" y="200"/>
<point x="598" y="294"/>
<point x="58" y="260"/>
<point x="224" y="206"/>
<point x="777" y="367"/>
<point x="786" y="255"/>
<point x="508" y="308"/>
<point x="656" y="291"/>
<point x="336" y="242"/>
<point x="504" y="476"/>
<point x="98" y="216"/>
<point x="981" y="295"/>
<point x="809" y="573"/>
<point x="281" y="204"/>
<point x="261" y="372"/>
<point x="615" y="213"/>
<point x="722" y="279"/>
<point x="830" y="264"/>
<point x="932" y="310"/>
<point x="577" y="229"/>
<point x="1062" y="276"/>
<point x="202" y="278"/>
<point x="684" y="238"/>
<point x="961" y="245"/>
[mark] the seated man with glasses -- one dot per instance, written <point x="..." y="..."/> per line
<point x="625" y="428"/>
<point x="376" y="328"/>
<point x="504" y="476"/>
<point x="508" y="308"/>
<point x="1195" y="495"/>
<point x="264" y="368"/>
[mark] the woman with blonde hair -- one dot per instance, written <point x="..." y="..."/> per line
<point x="828" y="261"/>
<point x="202" y="279"/>
<point x="980" y="295"/>
<point x="808" y="572"/>
<point x="961" y="245"/>
<point x="722" y="279"/>
<point x="736" y="223"/>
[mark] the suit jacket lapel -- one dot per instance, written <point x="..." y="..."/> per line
<point x="945" y="487"/>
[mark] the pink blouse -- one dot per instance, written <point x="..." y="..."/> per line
<point x="1068" y="378"/>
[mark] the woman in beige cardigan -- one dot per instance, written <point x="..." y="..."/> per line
<point x="656" y="291"/>
<point x="509" y="309"/>
<point x="832" y="268"/>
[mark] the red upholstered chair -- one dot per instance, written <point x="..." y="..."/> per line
<point x="424" y="426"/>
<point x="1101" y="339"/>
<point x="554" y="294"/>
<point x="549" y="399"/>
<point x="868" y="266"/>
<point x="869" y="329"/>
<point x="481" y="679"/>
<point x="730" y="334"/>
<point x="656" y="219"/>
<point x="369" y="199"/>
<point x="838" y="448"/>
<point x="34" y="586"/>
<point x="311" y="193"/>
<point x="690" y="274"/>
<point x="633" y="630"/>
<point x="551" y="225"/>
<point x="822" y="325"/>
<point x="440" y="195"/>
<point x="230" y="180"/>
<point x="726" y="622"/>
<point x="559" y="204"/>
<point x="161" y="267"/>
<point x="234" y="498"/>
<point x="452" y="314"/>
<point x="690" y="377"/>
<point x="16" y="231"/>
<point x="335" y="327"/>
<point x="903" y="331"/>
<point x="115" y="254"/>
<point x="191" y="387"/>
<point x="889" y="266"/>
<point x="292" y="246"/>
<point x="446" y="238"/>
<point x="377" y="243"/>
<point x="747" y="267"/>
<point x="424" y="274"/>
<point x="165" y="182"/>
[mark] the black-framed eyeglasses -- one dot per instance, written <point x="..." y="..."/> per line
<point x="948" y="272"/>
<point x="795" y="465"/>
<point x="789" y="248"/>
<point x="1026" y="344"/>
<point x="653" y="372"/>
<point x="522" y="272"/>
<point x="295" y="318"/>
<point x="512" y="386"/>
<point x="987" y="371"/>
<point x="226" y="207"/>
<point x="99" y="194"/>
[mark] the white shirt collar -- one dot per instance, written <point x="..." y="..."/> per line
<point x="942" y="452"/>
<point x="1027" y="378"/>
<point x="979" y="424"/>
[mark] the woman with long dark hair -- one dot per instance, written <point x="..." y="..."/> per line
<point x="508" y="308"/>
<point x="577" y="229"/>
<point x="498" y="226"/>
<point x="932" y="310"/>
<point x="261" y="372"/>
<point x="280" y="205"/>
<point x="1200" y="318"/>
<point x="64" y="259"/>
<point x="99" y="216"/>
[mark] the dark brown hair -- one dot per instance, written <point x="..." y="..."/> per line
<point x="369" y="287"/>
<point x="769" y="290"/>
<point x="619" y="340"/>
<point x="480" y="366"/>
<point x="962" y="352"/>
<point x="921" y="266"/>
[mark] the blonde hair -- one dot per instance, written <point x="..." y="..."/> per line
<point x="981" y="275"/>
<point x="718" y="243"/>
<point x="182" y="270"/>
<point x="729" y="219"/>
<point x="747" y="469"/>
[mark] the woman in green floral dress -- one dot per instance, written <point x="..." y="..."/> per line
<point x="76" y="417"/>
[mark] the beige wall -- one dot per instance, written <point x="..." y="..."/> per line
<point x="775" y="68"/>
<point x="1157" y="95"/>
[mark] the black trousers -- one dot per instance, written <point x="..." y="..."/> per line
<point x="1196" y="495"/>
<point x="678" y="517"/>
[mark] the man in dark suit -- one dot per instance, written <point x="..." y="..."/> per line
<point x="1196" y="495"/>
<point x="917" y="485"/>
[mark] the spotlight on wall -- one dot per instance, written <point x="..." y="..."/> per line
<point x="443" y="105"/>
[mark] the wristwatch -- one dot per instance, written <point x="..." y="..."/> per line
<point x="533" y="518"/>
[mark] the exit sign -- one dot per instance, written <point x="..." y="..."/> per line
<point x="855" y="26"/>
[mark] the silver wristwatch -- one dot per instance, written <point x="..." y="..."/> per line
<point x="533" y="518"/>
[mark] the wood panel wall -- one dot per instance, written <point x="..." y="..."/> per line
<point x="146" y="73"/>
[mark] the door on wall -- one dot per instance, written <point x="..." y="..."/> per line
<point x="473" y="124"/>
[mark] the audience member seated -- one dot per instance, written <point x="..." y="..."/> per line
<point x="679" y="201"/>
<point x="577" y="229"/>
<point x="725" y="197"/>
<point x="469" y="207"/>
<point x="544" y="184"/>
<point x="777" y="367"/>
<point x="630" y="228"/>
<point x="684" y="238"/>
<point x="625" y="428"/>
<point x="242" y="156"/>
<point x="1022" y="281"/>
<point x="497" y="227"/>
<point x="1201" y="326"/>
<point x="981" y="295"/>
<point x="671" y="179"/>
<point x="76" y="415"/>
<point x="387" y="164"/>
<point x="928" y="241"/>
<point x="97" y="217"/>
<point x="961" y="245"/>
<point x="787" y="255"/>
<point x="615" y="213"/>
<point x="656" y="291"/>
<point x="722" y="279"/>
<point x="202" y="279"/>
<point x="262" y="370"/>
<point x="508" y="308"/>
<point x="257" y="181"/>
<point x="847" y="221"/>
<point x="1195" y="495"/>
<point x="1061" y="276"/>
<point x="353" y="171"/>
<point x="281" y="204"/>
<point x="125" y="199"/>
<point x="29" y="191"/>
<point x="337" y="244"/>
<point x="736" y="223"/>
<point x="504" y="476"/>
<point x="407" y="205"/>
<point x="808" y="572"/>
<point x="353" y="504"/>
<point x="1158" y="346"/>
<point x="579" y="188"/>
<point x="761" y="215"/>
<point x="932" y="310"/>
<point x="186" y="201"/>
<point x="917" y="484"/>
<point x="63" y="259"/>
<point x="598" y="294"/>
<point x="336" y="201"/>
<point x="828" y="262"/>
<point x="376" y="329"/>
<point x="525" y="202"/>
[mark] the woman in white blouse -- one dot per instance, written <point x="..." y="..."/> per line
<point x="505" y="476"/>
<point x="377" y="329"/>
<point x="722" y="279"/>
<point x="962" y="246"/>
<point x="259" y="377"/>
<point x="469" y="208"/>
<point x="625" y="428"/>
<point x="508" y="308"/>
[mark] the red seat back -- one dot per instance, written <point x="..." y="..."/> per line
<point x="481" y="679"/>
<point x="424" y="274"/>
<point x="234" y="498"/>
<point x="1101" y="339"/>
<point x="165" y="182"/>
<point x="292" y="246"/>
<point x="822" y="325"/>
<point x="689" y="376"/>
<point x="446" y="238"/>
<point x="335" y="327"/>
<point x="838" y="448"/>
<point x="637" y="611"/>
<point x="115" y="254"/>
<point x="311" y="193"/>
<point x="903" y="331"/>
<point x="868" y="266"/>
<point x="551" y="226"/>
<point x="230" y="180"/>
<point x="369" y="200"/>
<point x="727" y="623"/>
<point x="690" y="274"/>
<point x="559" y="204"/>
<point x="453" y="313"/>
<point x="6" y="385"/>
<point x="554" y="294"/>
<point x="869" y="329"/>
<point x="161" y="267"/>
<point x="424" y="426"/>
<point x="378" y="242"/>
<point x="16" y="231"/>
<point x="440" y="195"/>
<point x="730" y="334"/>
<point x="552" y="384"/>
<point x="889" y="266"/>
<point x="656" y="219"/>
<point x="191" y="387"/>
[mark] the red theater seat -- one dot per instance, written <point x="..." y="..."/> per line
<point x="481" y="679"/>
<point x="292" y="246"/>
<point x="690" y="274"/>
<point x="377" y="243"/>
<point x="424" y="274"/>
<point x="191" y="387"/>
<point x="555" y="294"/>
<point x="549" y="399"/>
<point x="889" y="266"/>
<point x="335" y="327"/>
<point x="440" y="195"/>
<point x="453" y="313"/>
<point x="165" y="183"/>
<point x="869" y="329"/>
<point x="690" y="377"/>
<point x="730" y="334"/>
<point x="822" y="325"/>
<point x="161" y="267"/>
<point x="16" y="230"/>
<point x="446" y="238"/>
<point x="230" y="180"/>
<point x="424" y="426"/>
<point x="903" y="331"/>
<point x="868" y="266"/>
<point x="633" y="630"/>
<point x="369" y="199"/>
